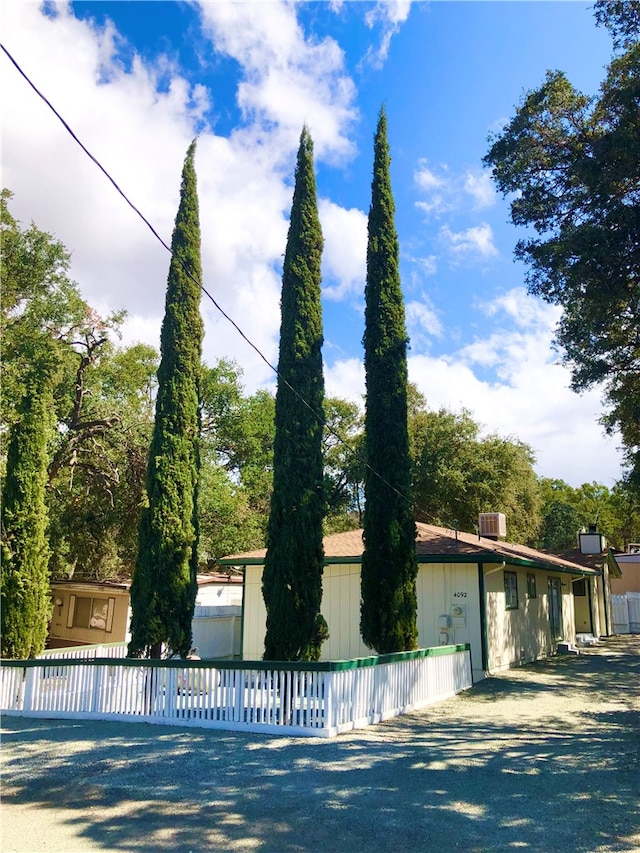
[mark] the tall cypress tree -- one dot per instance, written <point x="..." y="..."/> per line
<point x="292" y="578"/>
<point x="25" y="598"/>
<point x="389" y="569"/>
<point x="164" y="586"/>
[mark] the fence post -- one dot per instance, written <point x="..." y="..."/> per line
<point x="327" y="700"/>
<point x="96" y="688"/>
<point x="29" y="687"/>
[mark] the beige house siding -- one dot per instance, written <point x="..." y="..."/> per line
<point x="69" y="602"/>
<point x="602" y="617"/>
<point x="449" y="590"/>
<point x="255" y="615"/>
<point x="449" y="611"/>
<point x="630" y="580"/>
<point x="449" y="607"/>
<point x="568" y="611"/>
<point x="524" y="634"/>
<point x="341" y="609"/>
<point x="583" y="610"/>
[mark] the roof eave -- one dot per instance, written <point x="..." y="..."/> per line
<point x="441" y="558"/>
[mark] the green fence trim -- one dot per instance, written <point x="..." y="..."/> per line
<point x="260" y="665"/>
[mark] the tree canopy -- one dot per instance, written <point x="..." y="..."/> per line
<point x="389" y="569"/>
<point x="621" y="18"/>
<point x="26" y="602"/>
<point x="571" y="165"/>
<point x="458" y="473"/>
<point x="164" y="586"/>
<point x="292" y="577"/>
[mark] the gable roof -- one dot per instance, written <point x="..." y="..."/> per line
<point x="434" y="545"/>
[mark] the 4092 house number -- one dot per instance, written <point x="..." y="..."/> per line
<point x="459" y="594"/>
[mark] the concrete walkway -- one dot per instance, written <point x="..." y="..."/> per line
<point x="545" y="758"/>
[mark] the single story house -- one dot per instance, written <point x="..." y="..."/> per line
<point x="511" y="603"/>
<point x="89" y="612"/>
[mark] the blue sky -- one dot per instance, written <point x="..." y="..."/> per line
<point x="137" y="80"/>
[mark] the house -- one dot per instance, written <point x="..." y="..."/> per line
<point x="89" y="612"/>
<point x="626" y="591"/>
<point x="629" y="562"/>
<point x="511" y="603"/>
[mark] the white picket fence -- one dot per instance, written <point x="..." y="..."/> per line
<point x="626" y="613"/>
<point x="100" y="650"/>
<point x="320" y="699"/>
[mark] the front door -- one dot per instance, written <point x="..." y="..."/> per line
<point x="555" y="609"/>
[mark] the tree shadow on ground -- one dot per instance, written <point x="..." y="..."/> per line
<point x="592" y="669"/>
<point x="435" y="780"/>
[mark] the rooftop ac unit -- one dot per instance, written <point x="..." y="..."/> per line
<point x="492" y="525"/>
<point x="633" y="548"/>
<point x="592" y="543"/>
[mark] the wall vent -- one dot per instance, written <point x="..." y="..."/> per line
<point x="492" y="525"/>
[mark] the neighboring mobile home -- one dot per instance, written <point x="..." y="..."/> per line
<point x="629" y="562"/>
<point x="511" y="603"/>
<point x="90" y="612"/>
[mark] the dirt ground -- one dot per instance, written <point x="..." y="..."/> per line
<point x="544" y="758"/>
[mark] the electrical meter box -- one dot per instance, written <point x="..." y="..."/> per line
<point x="458" y="616"/>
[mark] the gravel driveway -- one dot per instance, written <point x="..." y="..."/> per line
<point x="544" y="758"/>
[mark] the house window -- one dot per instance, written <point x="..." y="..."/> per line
<point x="511" y="590"/>
<point x="580" y="587"/>
<point x="531" y="586"/>
<point x="94" y="613"/>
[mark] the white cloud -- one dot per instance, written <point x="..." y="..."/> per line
<point x="391" y="14"/>
<point x="474" y="242"/>
<point x="288" y="79"/>
<point x="138" y="121"/>
<point x="534" y="405"/>
<point x="140" y="134"/>
<point x="517" y="305"/>
<point x="438" y="188"/>
<point x="446" y="192"/>
<point x="420" y="269"/>
<point x="345" y="378"/>
<point x="344" y="259"/>
<point x="423" y="323"/>
<point x="480" y="187"/>
<point x="426" y="179"/>
<point x="427" y="265"/>
<point x="527" y="397"/>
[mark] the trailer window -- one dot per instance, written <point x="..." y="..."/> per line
<point x="85" y="612"/>
<point x="511" y="590"/>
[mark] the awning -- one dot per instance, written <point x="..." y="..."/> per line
<point x="612" y="564"/>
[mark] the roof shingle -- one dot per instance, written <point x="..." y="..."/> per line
<point x="433" y="541"/>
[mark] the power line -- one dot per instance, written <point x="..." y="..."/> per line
<point x="317" y="415"/>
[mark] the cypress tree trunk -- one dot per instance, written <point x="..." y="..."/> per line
<point x="26" y="602"/>
<point x="389" y="569"/>
<point x="164" y="587"/>
<point x="292" y="578"/>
